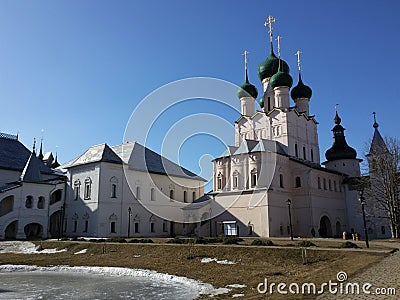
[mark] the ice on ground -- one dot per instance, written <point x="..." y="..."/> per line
<point x="81" y="252"/>
<point x="201" y="287"/>
<point x="23" y="247"/>
<point x="222" y="262"/>
<point x="237" y="295"/>
<point x="236" y="286"/>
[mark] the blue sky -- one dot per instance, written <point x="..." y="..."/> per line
<point x="78" y="69"/>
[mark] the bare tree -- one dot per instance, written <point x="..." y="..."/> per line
<point x="383" y="182"/>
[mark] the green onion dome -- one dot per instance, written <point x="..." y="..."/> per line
<point x="261" y="102"/>
<point x="271" y="66"/>
<point x="247" y="89"/>
<point x="301" y="90"/>
<point x="281" y="79"/>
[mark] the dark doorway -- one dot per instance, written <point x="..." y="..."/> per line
<point x="33" y="231"/>
<point x="11" y="231"/>
<point x="55" y="224"/>
<point x="325" y="228"/>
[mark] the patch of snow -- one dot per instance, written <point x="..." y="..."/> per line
<point x="222" y="262"/>
<point x="22" y="247"/>
<point x="136" y="256"/>
<point x="201" y="287"/>
<point x="81" y="252"/>
<point x="236" y="285"/>
<point x="237" y="295"/>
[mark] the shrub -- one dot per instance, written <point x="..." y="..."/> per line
<point x="176" y="241"/>
<point x="261" y="242"/>
<point x="117" y="240"/>
<point x="148" y="241"/>
<point x="306" y="244"/>
<point x="232" y="240"/>
<point x="214" y="240"/>
<point x="348" y="245"/>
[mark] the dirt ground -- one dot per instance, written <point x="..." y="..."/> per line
<point x="252" y="263"/>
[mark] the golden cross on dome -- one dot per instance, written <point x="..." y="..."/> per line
<point x="278" y="38"/>
<point x="298" y="59"/>
<point x="269" y="22"/>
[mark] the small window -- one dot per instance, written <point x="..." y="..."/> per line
<point x="304" y="153"/>
<point x="269" y="103"/>
<point x="296" y="151"/>
<point x="152" y="227"/>
<point x="113" y="190"/>
<point x="77" y="189"/>
<point x="281" y="229"/>
<point x="335" y="186"/>
<point x="324" y="181"/>
<point x="250" y="229"/>
<point x="319" y="183"/>
<point x="235" y="180"/>
<point x="185" y="196"/>
<point x="383" y="230"/>
<point x="298" y="182"/>
<point x="88" y="188"/>
<point x="75" y="226"/>
<point x="254" y="178"/>
<point x="152" y="195"/>
<point x="112" y="227"/>
<point x="194" y="196"/>
<point x="281" y="180"/>
<point x="288" y="229"/>
<point x="138" y="192"/>
<point x="165" y="226"/>
<point x="219" y="182"/>
<point x="312" y="155"/>
<point x="86" y="226"/>
<point x="40" y="204"/>
<point x="136" y="227"/>
<point x="29" y="202"/>
<point x="171" y="194"/>
<point x="330" y="185"/>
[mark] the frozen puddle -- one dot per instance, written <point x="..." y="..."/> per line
<point x="64" y="282"/>
<point x="20" y="247"/>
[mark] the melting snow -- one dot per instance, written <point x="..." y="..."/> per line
<point x="81" y="252"/>
<point x="222" y="262"/>
<point x="236" y="285"/>
<point x="21" y="247"/>
<point x="202" y="288"/>
<point x="237" y="295"/>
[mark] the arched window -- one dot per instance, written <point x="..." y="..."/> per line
<point x="219" y="181"/>
<point x="6" y="205"/>
<point x="298" y="182"/>
<point x="88" y="188"/>
<point x="194" y="196"/>
<point x="138" y="192"/>
<point x="304" y="153"/>
<point x="254" y="178"/>
<point x="56" y="196"/>
<point x="324" y="182"/>
<point x="40" y="204"/>
<point x="152" y="194"/>
<point x="171" y="194"/>
<point x="184" y="196"/>
<point x="312" y="155"/>
<point x="269" y="103"/>
<point x="235" y="184"/>
<point x="334" y="186"/>
<point x="113" y="185"/>
<point x="296" y="151"/>
<point x="29" y="202"/>
<point x="113" y="223"/>
<point x="330" y="184"/>
<point x="281" y="180"/>
<point x="77" y="189"/>
<point x="319" y="183"/>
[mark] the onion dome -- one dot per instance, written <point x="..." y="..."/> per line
<point x="261" y="102"/>
<point x="339" y="149"/>
<point x="301" y="90"/>
<point x="281" y="78"/>
<point x="271" y="66"/>
<point x="247" y="89"/>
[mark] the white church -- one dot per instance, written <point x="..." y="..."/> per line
<point x="271" y="183"/>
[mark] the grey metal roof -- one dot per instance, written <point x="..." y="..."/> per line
<point x="14" y="155"/>
<point x="246" y="146"/>
<point x="135" y="155"/>
<point x="9" y="186"/>
<point x="250" y="146"/>
<point x="31" y="172"/>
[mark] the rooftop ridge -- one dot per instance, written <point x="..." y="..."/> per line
<point x="8" y="136"/>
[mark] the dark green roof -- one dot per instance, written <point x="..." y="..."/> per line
<point x="301" y="90"/>
<point x="247" y="89"/>
<point x="281" y="79"/>
<point x="270" y="66"/>
<point x="339" y="149"/>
